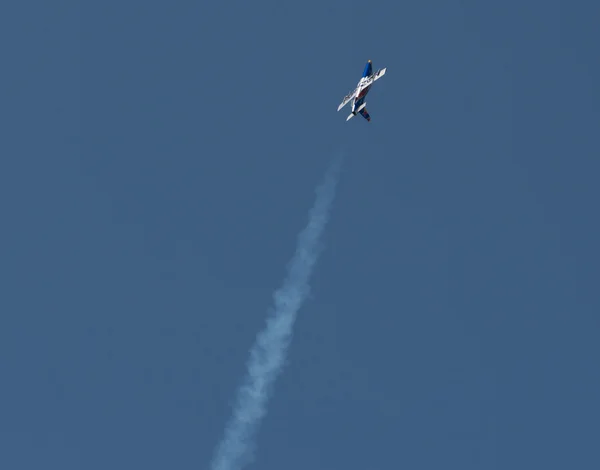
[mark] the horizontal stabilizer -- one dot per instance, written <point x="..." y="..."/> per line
<point x="360" y="108"/>
<point x="350" y="116"/>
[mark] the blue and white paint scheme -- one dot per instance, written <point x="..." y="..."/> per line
<point x="360" y="92"/>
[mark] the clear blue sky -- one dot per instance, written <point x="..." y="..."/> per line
<point x="158" y="161"/>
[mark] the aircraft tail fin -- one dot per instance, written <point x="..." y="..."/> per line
<point x="364" y="113"/>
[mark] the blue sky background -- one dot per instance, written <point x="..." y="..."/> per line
<point x="159" y="160"/>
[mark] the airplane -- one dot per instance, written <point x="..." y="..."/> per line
<point x="360" y="92"/>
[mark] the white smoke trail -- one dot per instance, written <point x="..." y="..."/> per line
<point x="268" y="353"/>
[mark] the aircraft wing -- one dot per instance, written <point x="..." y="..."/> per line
<point x="380" y="73"/>
<point x="347" y="99"/>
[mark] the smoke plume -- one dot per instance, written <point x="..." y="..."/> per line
<point x="268" y="354"/>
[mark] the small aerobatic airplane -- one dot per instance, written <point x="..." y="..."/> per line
<point x="360" y="93"/>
